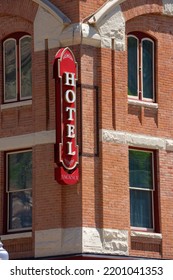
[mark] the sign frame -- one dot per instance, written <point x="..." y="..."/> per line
<point x="66" y="148"/>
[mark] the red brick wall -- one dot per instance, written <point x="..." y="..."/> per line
<point x="78" y="10"/>
<point x="101" y="198"/>
<point x="155" y="121"/>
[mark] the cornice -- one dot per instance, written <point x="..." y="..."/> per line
<point x="136" y="140"/>
<point x="80" y="33"/>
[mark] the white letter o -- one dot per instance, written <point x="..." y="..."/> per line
<point x="70" y="98"/>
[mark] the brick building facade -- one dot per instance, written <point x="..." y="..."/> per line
<point x="122" y="206"/>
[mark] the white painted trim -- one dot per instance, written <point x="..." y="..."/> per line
<point x="27" y="140"/>
<point x="16" y="236"/>
<point x="136" y="140"/>
<point x="16" y="104"/>
<point x="53" y="10"/>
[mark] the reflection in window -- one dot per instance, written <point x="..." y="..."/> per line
<point x="141" y="67"/>
<point x="17" y="68"/>
<point x="132" y="66"/>
<point x="141" y="189"/>
<point x="19" y="190"/>
<point x="10" y="73"/>
<point x="147" y="69"/>
<point x="26" y="75"/>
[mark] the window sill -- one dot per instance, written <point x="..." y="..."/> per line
<point x="16" y="235"/>
<point x="156" y="237"/>
<point x="16" y="104"/>
<point x="143" y="104"/>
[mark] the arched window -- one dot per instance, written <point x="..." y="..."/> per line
<point x="17" y="66"/>
<point x="141" y="67"/>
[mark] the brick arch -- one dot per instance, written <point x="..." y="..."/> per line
<point x="27" y="9"/>
<point x="132" y="8"/>
<point x="18" y="8"/>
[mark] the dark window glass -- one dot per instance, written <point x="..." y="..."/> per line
<point x="141" y="208"/>
<point x="132" y="66"/>
<point x="140" y="164"/>
<point x="147" y="47"/>
<point x="141" y="188"/>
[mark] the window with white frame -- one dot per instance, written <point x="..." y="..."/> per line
<point x="19" y="190"/>
<point x="142" y="189"/>
<point x="141" y="67"/>
<point x="17" y="67"/>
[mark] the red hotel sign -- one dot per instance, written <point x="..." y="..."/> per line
<point x="66" y="150"/>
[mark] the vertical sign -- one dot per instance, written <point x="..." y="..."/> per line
<point x="66" y="149"/>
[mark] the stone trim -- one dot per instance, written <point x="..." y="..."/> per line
<point x="58" y="241"/>
<point x="16" y="104"/>
<point x="80" y="33"/>
<point x="53" y="10"/>
<point x="141" y="234"/>
<point x="168" y="7"/>
<point x="104" y="10"/>
<point x="106" y="136"/>
<point x="105" y="241"/>
<point x="110" y="24"/>
<point x="27" y="140"/>
<point x="146" y="241"/>
<point x="78" y="240"/>
<point x="43" y="31"/>
<point x="105" y="28"/>
<point x="135" y="140"/>
<point x="16" y="236"/>
<point x="143" y="104"/>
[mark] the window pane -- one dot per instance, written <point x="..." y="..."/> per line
<point x="140" y="168"/>
<point x="26" y="73"/>
<point x="132" y="66"/>
<point x="20" y="210"/>
<point x="147" y="59"/>
<point x="10" y="74"/>
<point x="141" y="208"/>
<point x="20" y="171"/>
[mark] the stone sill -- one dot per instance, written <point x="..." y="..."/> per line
<point x="146" y="237"/>
<point x="143" y="104"/>
<point x="16" y="104"/>
<point x="16" y="236"/>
